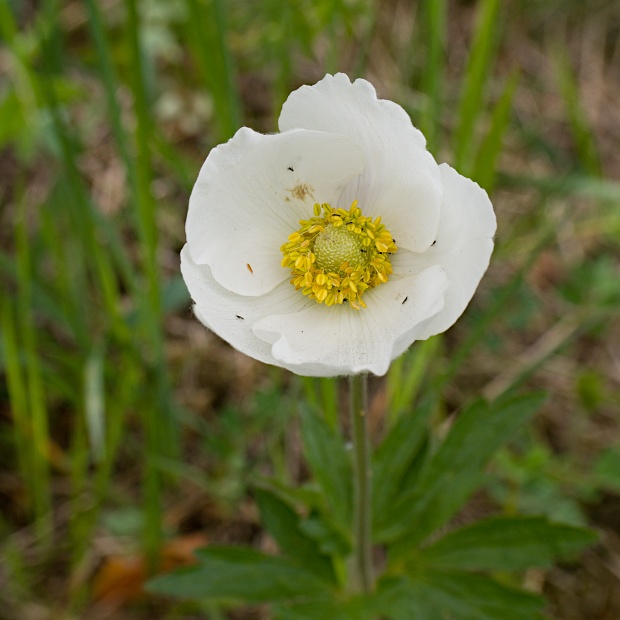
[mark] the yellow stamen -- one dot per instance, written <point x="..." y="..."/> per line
<point x="339" y="255"/>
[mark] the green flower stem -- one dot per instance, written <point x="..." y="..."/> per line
<point x="361" y="577"/>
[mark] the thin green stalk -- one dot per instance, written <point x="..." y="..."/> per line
<point x="210" y="41"/>
<point x="110" y="82"/>
<point x="484" y="170"/>
<point x="17" y="390"/>
<point x="478" y="70"/>
<point x="323" y="394"/>
<point x="585" y="141"/>
<point x="362" y="577"/>
<point x="37" y="408"/>
<point x="434" y="15"/>
<point x="234" y="102"/>
<point x="155" y="416"/>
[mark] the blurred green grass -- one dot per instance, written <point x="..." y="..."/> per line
<point x="107" y="110"/>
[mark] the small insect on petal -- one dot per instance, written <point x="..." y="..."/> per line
<point x="250" y="268"/>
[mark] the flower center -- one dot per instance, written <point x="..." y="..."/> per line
<point x="337" y="255"/>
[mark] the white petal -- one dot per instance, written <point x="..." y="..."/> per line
<point x="250" y="195"/>
<point x="463" y="248"/>
<point x="401" y="181"/>
<point x="231" y="316"/>
<point x="326" y="342"/>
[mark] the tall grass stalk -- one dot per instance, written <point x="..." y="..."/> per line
<point x="477" y="73"/>
<point x="38" y="424"/>
<point x="210" y="42"/>
<point x="157" y="420"/>
<point x="434" y="17"/>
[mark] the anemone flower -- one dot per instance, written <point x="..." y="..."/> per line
<point x="332" y="246"/>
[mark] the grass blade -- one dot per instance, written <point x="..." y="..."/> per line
<point x="209" y="30"/>
<point x="584" y="139"/>
<point x="434" y="14"/>
<point x="484" y="169"/>
<point x="476" y="75"/>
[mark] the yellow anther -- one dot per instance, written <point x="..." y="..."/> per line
<point x="337" y="255"/>
<point x="321" y="295"/>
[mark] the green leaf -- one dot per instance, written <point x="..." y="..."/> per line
<point x="306" y="496"/>
<point x="330" y="463"/>
<point x="448" y="595"/>
<point x="507" y="543"/>
<point x="607" y="469"/>
<point x="395" y="455"/>
<point x="242" y="574"/>
<point x="456" y="469"/>
<point x="357" y="608"/>
<point x="330" y="540"/>
<point x="283" y="523"/>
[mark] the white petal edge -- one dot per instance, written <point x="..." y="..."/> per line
<point x="250" y="195"/>
<point x="230" y="315"/>
<point x="401" y="181"/>
<point x="327" y="342"/>
<point x="463" y="247"/>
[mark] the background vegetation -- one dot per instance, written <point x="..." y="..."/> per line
<point x="129" y="435"/>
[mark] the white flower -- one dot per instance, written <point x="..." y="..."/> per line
<point x="272" y="217"/>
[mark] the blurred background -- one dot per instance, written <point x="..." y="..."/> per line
<point x="129" y="435"/>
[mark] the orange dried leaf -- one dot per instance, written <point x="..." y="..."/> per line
<point x="121" y="579"/>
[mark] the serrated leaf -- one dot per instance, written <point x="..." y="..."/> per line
<point x="240" y="574"/>
<point x="396" y="454"/>
<point x="325" y="452"/>
<point x="506" y="543"/>
<point x="456" y="469"/>
<point x="283" y="523"/>
<point x="453" y="595"/>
